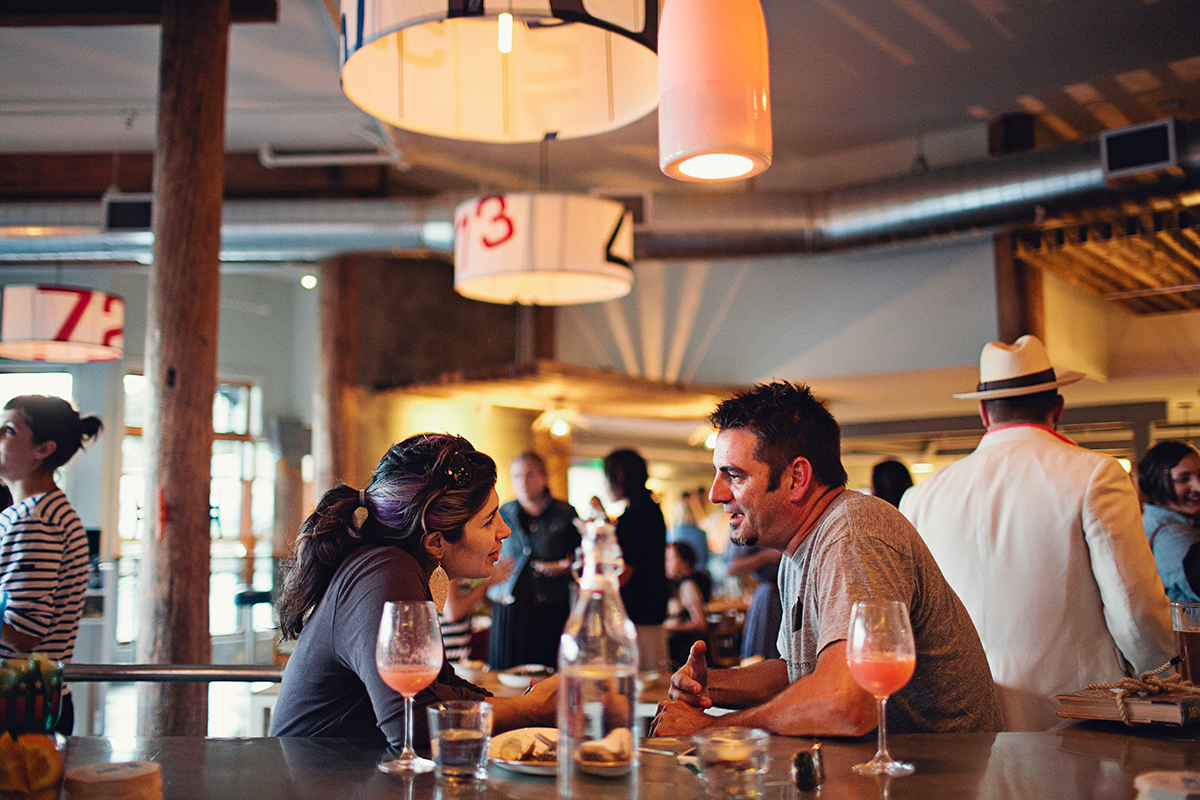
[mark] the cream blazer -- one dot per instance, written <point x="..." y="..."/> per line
<point x="1042" y="540"/>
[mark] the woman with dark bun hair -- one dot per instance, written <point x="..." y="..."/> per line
<point x="429" y="514"/>
<point x="43" y="547"/>
<point x="1169" y="477"/>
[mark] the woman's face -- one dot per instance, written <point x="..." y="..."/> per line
<point x="1185" y="477"/>
<point x="20" y="458"/>
<point x="476" y="553"/>
<point x="674" y="564"/>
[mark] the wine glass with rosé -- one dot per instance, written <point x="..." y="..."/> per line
<point x="882" y="656"/>
<point x="408" y="654"/>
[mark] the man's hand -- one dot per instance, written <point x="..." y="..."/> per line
<point x="542" y="699"/>
<point x="680" y="719"/>
<point x="690" y="682"/>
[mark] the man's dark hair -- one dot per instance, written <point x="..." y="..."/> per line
<point x="788" y="423"/>
<point x="1023" y="408"/>
<point x="1154" y="471"/>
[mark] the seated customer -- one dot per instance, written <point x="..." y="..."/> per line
<point x="688" y="531"/>
<point x="1169" y="477"/>
<point x="764" y="613"/>
<point x="463" y="599"/>
<point x="691" y="589"/>
<point x="432" y="513"/>
<point x="780" y="476"/>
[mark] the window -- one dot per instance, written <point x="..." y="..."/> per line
<point x="241" y="500"/>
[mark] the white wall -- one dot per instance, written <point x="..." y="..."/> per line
<point x="738" y="321"/>
<point x="267" y="335"/>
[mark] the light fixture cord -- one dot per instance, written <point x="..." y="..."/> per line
<point x="544" y="160"/>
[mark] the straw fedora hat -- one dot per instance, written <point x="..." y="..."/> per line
<point x="1011" y="370"/>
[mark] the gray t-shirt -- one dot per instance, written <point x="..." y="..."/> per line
<point x="331" y="686"/>
<point x="863" y="548"/>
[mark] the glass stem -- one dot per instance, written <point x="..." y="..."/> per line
<point x="882" y="755"/>
<point x="407" y="752"/>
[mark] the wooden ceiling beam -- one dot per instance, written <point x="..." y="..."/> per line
<point x="81" y="176"/>
<point x="76" y="13"/>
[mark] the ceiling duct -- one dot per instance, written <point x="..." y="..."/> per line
<point x="970" y="197"/>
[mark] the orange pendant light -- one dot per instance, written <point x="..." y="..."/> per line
<point x="714" y="115"/>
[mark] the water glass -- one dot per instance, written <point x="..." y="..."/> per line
<point x="459" y="734"/>
<point x="733" y="761"/>
<point x="1185" y="621"/>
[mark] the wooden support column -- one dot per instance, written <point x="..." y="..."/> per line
<point x="1019" y="308"/>
<point x="334" y="407"/>
<point x="181" y="360"/>
<point x="556" y="451"/>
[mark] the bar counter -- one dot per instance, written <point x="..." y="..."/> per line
<point x="1083" y="760"/>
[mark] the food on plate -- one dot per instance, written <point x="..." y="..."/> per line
<point x="528" y="747"/>
<point x="615" y="748"/>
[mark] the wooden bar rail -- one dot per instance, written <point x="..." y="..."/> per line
<point x="171" y="673"/>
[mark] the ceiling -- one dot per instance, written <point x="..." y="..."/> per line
<point x="897" y="80"/>
<point x="864" y="92"/>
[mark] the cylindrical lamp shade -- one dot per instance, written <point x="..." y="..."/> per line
<point x="61" y="324"/>
<point x="542" y="249"/>
<point x="714" y="114"/>
<point x="434" y="66"/>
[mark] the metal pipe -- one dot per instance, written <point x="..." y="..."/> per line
<point x="965" y="198"/>
<point x="171" y="673"/>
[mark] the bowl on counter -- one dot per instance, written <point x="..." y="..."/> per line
<point x="519" y="677"/>
<point x="30" y="693"/>
<point x="473" y="671"/>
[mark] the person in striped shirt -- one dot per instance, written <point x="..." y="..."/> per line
<point x="43" y="547"/>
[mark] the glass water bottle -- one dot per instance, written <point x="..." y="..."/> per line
<point x="597" y="665"/>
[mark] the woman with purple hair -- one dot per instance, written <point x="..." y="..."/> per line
<point x="429" y="514"/>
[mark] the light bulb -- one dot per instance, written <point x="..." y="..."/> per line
<point x="716" y="166"/>
<point x="560" y="427"/>
<point x="308" y="281"/>
<point x="504" y="40"/>
<point x="710" y="441"/>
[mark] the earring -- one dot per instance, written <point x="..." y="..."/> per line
<point x="439" y="587"/>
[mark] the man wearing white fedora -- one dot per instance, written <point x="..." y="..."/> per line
<point x="1042" y="540"/>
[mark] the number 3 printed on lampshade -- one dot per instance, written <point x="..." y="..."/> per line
<point x="501" y="218"/>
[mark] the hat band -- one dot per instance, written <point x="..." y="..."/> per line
<point x="1045" y="376"/>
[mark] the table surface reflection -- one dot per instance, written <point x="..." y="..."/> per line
<point x="1086" y="760"/>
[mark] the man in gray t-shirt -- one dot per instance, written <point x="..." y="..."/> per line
<point x="780" y="478"/>
<point x="863" y="547"/>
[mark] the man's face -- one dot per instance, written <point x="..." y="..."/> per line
<point x="740" y="486"/>
<point x="529" y="482"/>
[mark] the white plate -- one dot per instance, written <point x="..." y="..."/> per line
<point x="604" y="770"/>
<point x="519" y="677"/>
<point x="525" y="735"/>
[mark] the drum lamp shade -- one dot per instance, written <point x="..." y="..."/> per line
<point x="714" y="115"/>
<point x="434" y="66"/>
<point x="61" y="324"/>
<point x="542" y="249"/>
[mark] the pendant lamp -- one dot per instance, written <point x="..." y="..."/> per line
<point x="542" y="249"/>
<point x="436" y="66"/>
<point x="714" y="114"/>
<point x="61" y="324"/>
